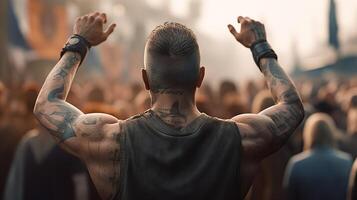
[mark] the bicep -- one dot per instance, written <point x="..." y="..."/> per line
<point x="286" y="118"/>
<point x="256" y="133"/>
<point x="91" y="129"/>
<point x="72" y="128"/>
<point x="59" y="118"/>
<point x="266" y="132"/>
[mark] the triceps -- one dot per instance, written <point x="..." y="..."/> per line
<point x="286" y="118"/>
<point x="289" y="111"/>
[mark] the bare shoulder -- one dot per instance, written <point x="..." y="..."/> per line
<point x="257" y="134"/>
<point x="90" y="125"/>
<point x="254" y="122"/>
<point x="92" y="131"/>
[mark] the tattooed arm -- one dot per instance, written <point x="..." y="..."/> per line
<point x="61" y="118"/>
<point x="264" y="133"/>
<point x="267" y="131"/>
<point x="92" y="137"/>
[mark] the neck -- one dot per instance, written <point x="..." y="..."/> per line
<point x="175" y="107"/>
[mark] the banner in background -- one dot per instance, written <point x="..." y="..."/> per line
<point x="47" y="27"/>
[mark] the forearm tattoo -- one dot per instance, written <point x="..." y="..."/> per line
<point x="53" y="112"/>
<point x="289" y="112"/>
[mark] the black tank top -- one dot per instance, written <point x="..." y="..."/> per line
<point x="198" y="162"/>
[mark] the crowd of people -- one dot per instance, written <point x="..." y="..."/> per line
<point x="318" y="158"/>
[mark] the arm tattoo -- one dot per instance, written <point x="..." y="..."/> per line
<point x="51" y="109"/>
<point x="289" y="112"/>
<point x="63" y="121"/>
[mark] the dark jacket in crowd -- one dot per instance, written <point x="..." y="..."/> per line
<point x="320" y="173"/>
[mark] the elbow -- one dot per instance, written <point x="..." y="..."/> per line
<point x="36" y="111"/>
<point x="296" y="106"/>
<point x="301" y="111"/>
<point x="38" y="107"/>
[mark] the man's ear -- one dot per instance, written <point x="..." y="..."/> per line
<point x="145" y="79"/>
<point x="201" y="75"/>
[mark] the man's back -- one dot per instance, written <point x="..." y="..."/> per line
<point x="172" y="74"/>
<point x="200" y="161"/>
<point x="321" y="173"/>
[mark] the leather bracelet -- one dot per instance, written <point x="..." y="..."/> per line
<point x="78" y="44"/>
<point x="261" y="49"/>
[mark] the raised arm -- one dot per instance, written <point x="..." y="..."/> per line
<point x="64" y="121"/>
<point x="266" y="132"/>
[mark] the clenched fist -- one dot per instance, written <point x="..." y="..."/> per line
<point x="91" y="27"/>
<point x="251" y="31"/>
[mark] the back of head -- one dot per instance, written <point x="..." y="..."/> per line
<point x="319" y="131"/>
<point x="172" y="57"/>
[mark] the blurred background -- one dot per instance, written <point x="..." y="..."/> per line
<point x="316" y="42"/>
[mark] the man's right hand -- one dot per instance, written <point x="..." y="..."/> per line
<point x="91" y="28"/>
<point x="251" y="31"/>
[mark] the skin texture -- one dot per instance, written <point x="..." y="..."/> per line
<point x="91" y="137"/>
<point x="95" y="137"/>
<point x="264" y="133"/>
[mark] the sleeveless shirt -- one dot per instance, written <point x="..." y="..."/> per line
<point x="198" y="162"/>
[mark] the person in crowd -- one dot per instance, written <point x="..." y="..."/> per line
<point x="206" y="100"/>
<point x="231" y="100"/>
<point x="321" y="171"/>
<point x="250" y="90"/>
<point x="352" y="185"/>
<point x="261" y="186"/>
<point x="142" y="101"/>
<point x="3" y="97"/>
<point x="13" y="124"/>
<point x="172" y="151"/>
<point x="349" y="141"/>
<point x="37" y="170"/>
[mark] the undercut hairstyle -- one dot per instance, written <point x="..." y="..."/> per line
<point x="172" y="57"/>
<point x="319" y="131"/>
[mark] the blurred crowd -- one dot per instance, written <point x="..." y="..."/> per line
<point x="320" y="153"/>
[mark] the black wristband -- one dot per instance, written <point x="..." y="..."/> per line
<point x="262" y="49"/>
<point x="78" y="44"/>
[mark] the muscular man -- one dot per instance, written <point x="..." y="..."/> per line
<point x="172" y="151"/>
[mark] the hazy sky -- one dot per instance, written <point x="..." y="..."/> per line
<point x="299" y="23"/>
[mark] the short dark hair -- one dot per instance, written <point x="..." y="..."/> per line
<point x="172" y="57"/>
<point x="319" y="131"/>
